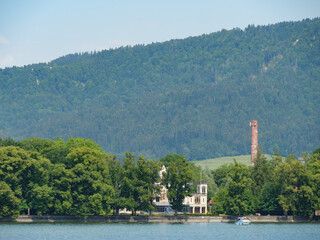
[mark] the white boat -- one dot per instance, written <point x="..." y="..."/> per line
<point x="243" y="221"/>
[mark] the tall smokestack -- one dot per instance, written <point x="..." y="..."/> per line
<point x="254" y="141"/>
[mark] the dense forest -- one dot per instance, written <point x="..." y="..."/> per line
<point x="280" y="186"/>
<point x="75" y="177"/>
<point x="194" y="96"/>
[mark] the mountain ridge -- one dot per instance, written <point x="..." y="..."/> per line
<point x="194" y="96"/>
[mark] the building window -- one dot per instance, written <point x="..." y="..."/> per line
<point x="197" y="209"/>
<point x="186" y="209"/>
<point x="203" y="210"/>
<point x="197" y="200"/>
<point x="191" y="209"/>
<point x="203" y="200"/>
<point x="203" y="189"/>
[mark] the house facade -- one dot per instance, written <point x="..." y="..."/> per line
<point x="196" y="203"/>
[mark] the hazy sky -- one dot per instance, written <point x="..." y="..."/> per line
<point x="33" y="31"/>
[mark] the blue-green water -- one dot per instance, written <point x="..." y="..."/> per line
<point x="212" y="231"/>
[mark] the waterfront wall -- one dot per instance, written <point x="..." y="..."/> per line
<point x="155" y="219"/>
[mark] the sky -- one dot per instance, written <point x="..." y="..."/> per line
<point x="33" y="31"/>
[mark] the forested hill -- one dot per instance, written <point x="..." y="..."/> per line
<point x="194" y="96"/>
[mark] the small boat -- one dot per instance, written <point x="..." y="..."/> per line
<point x="243" y="221"/>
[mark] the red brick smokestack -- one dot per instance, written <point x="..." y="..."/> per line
<point x="254" y="141"/>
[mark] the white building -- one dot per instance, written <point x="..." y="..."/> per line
<point x="197" y="203"/>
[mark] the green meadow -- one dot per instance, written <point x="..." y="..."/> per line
<point x="214" y="163"/>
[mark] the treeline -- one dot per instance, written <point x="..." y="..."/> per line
<point x="277" y="186"/>
<point x="194" y="96"/>
<point x="75" y="177"/>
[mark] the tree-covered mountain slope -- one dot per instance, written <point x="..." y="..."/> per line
<point x="194" y="96"/>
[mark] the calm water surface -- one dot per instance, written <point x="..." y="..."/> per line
<point x="200" y="231"/>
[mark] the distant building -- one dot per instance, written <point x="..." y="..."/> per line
<point x="197" y="203"/>
<point x="161" y="202"/>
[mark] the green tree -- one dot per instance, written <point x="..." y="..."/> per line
<point x="42" y="199"/>
<point x="57" y="151"/>
<point x="275" y="160"/>
<point x="130" y="187"/>
<point x="9" y="142"/>
<point x="170" y="158"/>
<point x="314" y="166"/>
<point x="219" y="200"/>
<point x="316" y="191"/>
<point x="61" y="180"/>
<point x="90" y="182"/>
<point x="176" y="179"/>
<point x="148" y="176"/>
<point x="314" y="163"/>
<point x="116" y="176"/>
<point x="305" y="202"/>
<point x="260" y="173"/>
<point x="221" y="175"/>
<point x="9" y="203"/>
<point x="293" y="179"/>
<point x="36" y="144"/>
<point x="13" y="162"/>
<point x="23" y="171"/>
<point x="240" y="199"/>
<point x="268" y="200"/>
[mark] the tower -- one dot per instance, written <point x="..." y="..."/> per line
<point x="254" y="140"/>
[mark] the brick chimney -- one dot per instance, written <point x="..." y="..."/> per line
<point x="254" y="140"/>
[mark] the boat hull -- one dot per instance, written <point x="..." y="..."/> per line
<point x="243" y="222"/>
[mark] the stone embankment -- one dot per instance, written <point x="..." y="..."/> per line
<point x="155" y="219"/>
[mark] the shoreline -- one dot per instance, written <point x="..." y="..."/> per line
<point x="154" y="219"/>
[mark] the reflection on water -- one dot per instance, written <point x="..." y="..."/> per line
<point x="115" y="231"/>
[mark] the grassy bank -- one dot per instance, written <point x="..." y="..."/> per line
<point x="214" y="163"/>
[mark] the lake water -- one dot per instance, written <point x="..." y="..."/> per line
<point x="201" y="231"/>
